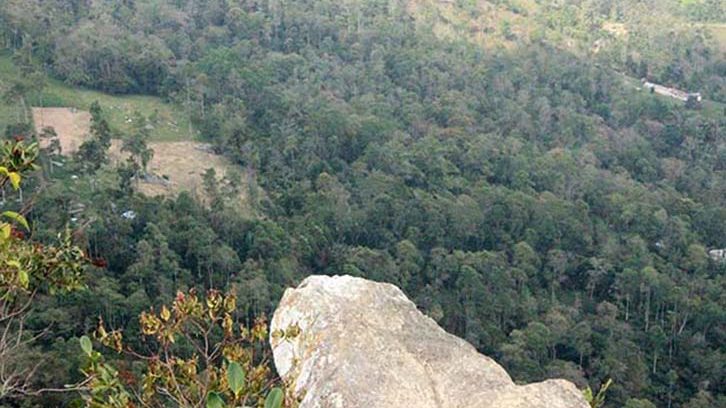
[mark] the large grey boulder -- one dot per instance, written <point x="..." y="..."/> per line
<point x="363" y="344"/>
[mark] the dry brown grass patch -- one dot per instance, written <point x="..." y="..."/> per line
<point x="177" y="166"/>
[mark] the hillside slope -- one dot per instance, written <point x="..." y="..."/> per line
<point x="176" y="166"/>
<point x="523" y="193"/>
<point x="171" y="122"/>
<point x="636" y="38"/>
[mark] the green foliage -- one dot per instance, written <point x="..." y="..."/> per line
<point x="639" y="403"/>
<point x="235" y="378"/>
<point x="86" y="345"/>
<point x="11" y="176"/>
<point x="16" y="157"/>
<point x="214" y="400"/>
<point x="528" y="197"/>
<point x="93" y="152"/>
<point x="136" y="143"/>
<point x="202" y="358"/>
<point x="172" y="122"/>
<point x="15" y="217"/>
<point x="27" y="270"/>
<point x="25" y="267"/>
<point x="597" y="400"/>
<point x="274" y="398"/>
<point x="104" y="386"/>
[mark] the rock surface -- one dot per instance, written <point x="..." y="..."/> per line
<point x="364" y="344"/>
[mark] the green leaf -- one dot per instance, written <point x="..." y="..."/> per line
<point x="23" y="278"/>
<point x="13" y="176"/>
<point x="14" y="179"/>
<point x="86" y="345"/>
<point x="17" y="218"/>
<point x="5" y="230"/>
<point x="235" y="378"/>
<point x="14" y="263"/>
<point x="214" y="400"/>
<point x="274" y="398"/>
<point x="587" y="393"/>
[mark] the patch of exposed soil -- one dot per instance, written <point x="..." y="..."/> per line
<point x="175" y="167"/>
<point x="70" y="124"/>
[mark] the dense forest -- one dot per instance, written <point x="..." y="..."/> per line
<point x="519" y="189"/>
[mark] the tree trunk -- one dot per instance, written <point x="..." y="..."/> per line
<point x="647" y="310"/>
<point x="683" y="324"/>
<point x="202" y="101"/>
<point x="25" y="109"/>
<point x="627" y="307"/>
<point x="189" y="106"/>
<point x="592" y="290"/>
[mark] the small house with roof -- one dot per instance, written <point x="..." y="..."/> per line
<point x="672" y="92"/>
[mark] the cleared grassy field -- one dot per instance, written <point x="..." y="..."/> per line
<point x="170" y="121"/>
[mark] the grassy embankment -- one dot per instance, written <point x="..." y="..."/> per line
<point x="171" y="123"/>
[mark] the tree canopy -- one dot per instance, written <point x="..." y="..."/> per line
<point x="520" y="189"/>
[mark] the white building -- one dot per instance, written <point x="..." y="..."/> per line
<point x="672" y="92"/>
<point x="718" y="255"/>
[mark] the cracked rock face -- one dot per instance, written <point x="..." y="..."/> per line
<point x="364" y="344"/>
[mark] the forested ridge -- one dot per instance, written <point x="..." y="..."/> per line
<point x="524" y="194"/>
